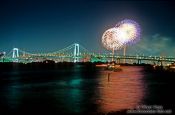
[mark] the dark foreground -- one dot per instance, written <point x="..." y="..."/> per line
<point x="68" y="88"/>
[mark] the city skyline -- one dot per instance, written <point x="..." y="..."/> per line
<point x="46" y="26"/>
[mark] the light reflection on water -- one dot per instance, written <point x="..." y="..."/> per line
<point x="75" y="92"/>
<point x="125" y="89"/>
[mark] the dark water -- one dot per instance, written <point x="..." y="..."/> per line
<point x="78" y="91"/>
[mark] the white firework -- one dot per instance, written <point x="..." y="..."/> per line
<point x="128" y="31"/>
<point x="110" y="39"/>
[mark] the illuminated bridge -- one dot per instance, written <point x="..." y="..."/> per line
<point x="77" y="53"/>
<point x="72" y="53"/>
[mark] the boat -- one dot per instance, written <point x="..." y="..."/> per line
<point x="114" y="67"/>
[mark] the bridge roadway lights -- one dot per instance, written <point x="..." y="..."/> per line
<point x="76" y="56"/>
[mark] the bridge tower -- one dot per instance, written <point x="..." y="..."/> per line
<point x="76" y="52"/>
<point x="15" y="54"/>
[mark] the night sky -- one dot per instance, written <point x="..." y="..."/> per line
<point x="48" y="25"/>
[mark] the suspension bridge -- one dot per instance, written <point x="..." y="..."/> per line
<point x="77" y="53"/>
<point x="72" y="53"/>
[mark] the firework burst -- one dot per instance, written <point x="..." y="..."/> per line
<point x="128" y="31"/>
<point x="110" y="39"/>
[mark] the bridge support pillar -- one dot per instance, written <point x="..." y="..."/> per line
<point x="76" y="52"/>
<point x="15" y="54"/>
<point x="118" y="60"/>
<point x="139" y="61"/>
<point x="160" y="62"/>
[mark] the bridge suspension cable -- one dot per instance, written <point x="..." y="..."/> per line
<point x="74" y="51"/>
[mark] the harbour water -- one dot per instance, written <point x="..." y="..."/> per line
<point x="83" y="90"/>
